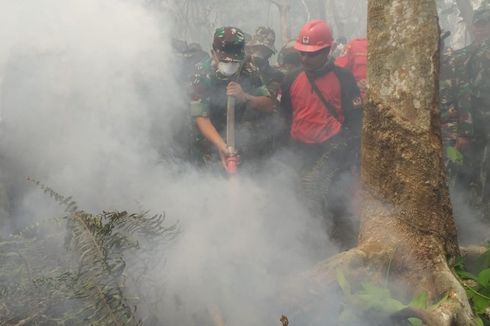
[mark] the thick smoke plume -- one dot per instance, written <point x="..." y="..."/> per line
<point x="88" y="106"/>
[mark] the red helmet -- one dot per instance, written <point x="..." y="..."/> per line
<point x="314" y="36"/>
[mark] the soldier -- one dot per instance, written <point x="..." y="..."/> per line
<point x="288" y="58"/>
<point x="262" y="128"/>
<point x="465" y="100"/>
<point x="226" y="73"/>
<point x="456" y="122"/>
<point x="477" y="68"/>
<point x="188" y="56"/>
<point x="261" y="48"/>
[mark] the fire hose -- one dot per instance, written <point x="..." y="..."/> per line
<point x="231" y="161"/>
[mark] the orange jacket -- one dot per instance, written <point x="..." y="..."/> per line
<point x="354" y="58"/>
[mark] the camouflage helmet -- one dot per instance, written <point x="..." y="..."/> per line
<point x="264" y="36"/>
<point x="229" y="44"/>
<point x="482" y="14"/>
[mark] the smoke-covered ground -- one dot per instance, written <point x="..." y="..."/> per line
<point x="88" y="107"/>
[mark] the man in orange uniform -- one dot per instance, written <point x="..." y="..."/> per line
<point x="322" y="103"/>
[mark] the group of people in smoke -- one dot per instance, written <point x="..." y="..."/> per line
<point x="465" y="111"/>
<point x="311" y="103"/>
<point x="308" y="103"/>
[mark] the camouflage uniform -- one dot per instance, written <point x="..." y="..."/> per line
<point x="456" y="118"/>
<point x="478" y="70"/>
<point x="188" y="56"/>
<point x="288" y="58"/>
<point x="208" y="96"/>
<point x="264" y="125"/>
<point x="465" y="110"/>
<point x="264" y="38"/>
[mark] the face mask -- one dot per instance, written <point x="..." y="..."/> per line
<point x="228" y="69"/>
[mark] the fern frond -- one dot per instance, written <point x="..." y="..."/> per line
<point x="97" y="284"/>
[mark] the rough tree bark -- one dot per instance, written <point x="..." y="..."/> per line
<point x="406" y="200"/>
<point x="406" y="219"/>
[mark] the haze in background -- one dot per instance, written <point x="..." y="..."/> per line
<point x="88" y="107"/>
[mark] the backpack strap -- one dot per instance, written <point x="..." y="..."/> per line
<point x="328" y="106"/>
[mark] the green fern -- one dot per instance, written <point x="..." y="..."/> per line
<point x="477" y="286"/>
<point x="41" y="287"/>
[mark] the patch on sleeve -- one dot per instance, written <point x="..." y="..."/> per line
<point x="199" y="109"/>
<point x="261" y="91"/>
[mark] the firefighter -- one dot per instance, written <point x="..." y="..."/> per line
<point x="323" y="106"/>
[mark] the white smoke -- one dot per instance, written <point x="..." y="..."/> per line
<point x="88" y="105"/>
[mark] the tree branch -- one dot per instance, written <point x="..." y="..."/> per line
<point x="276" y="3"/>
<point x="307" y="10"/>
<point x="466" y="10"/>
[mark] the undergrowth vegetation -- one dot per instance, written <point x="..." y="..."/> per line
<point x="75" y="270"/>
<point x="477" y="285"/>
<point x="374" y="303"/>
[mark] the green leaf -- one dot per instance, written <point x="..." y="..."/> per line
<point x="415" y="322"/>
<point x="392" y="305"/>
<point x="480" y="302"/>
<point x="484" y="260"/>
<point x="420" y="301"/>
<point x="343" y="283"/>
<point x="375" y="291"/>
<point x="479" y="321"/>
<point x="347" y="317"/>
<point x="454" y="155"/>
<point x="484" y="278"/>
<point x="459" y="264"/>
<point x="438" y="303"/>
<point x="378" y="298"/>
<point x="467" y="275"/>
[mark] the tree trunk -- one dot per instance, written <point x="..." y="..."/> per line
<point x="407" y="225"/>
<point x="406" y="199"/>
<point x="402" y="167"/>
<point x="405" y="188"/>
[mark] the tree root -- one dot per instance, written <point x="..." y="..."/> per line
<point x="407" y="313"/>
<point x="453" y="310"/>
